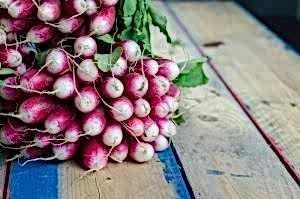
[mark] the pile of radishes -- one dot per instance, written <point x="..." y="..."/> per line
<point x="67" y="107"/>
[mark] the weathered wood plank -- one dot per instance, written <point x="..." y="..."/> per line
<point x="3" y="171"/>
<point x="260" y="68"/>
<point x="222" y="153"/>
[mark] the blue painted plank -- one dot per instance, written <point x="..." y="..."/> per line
<point x="173" y="174"/>
<point x="35" y="180"/>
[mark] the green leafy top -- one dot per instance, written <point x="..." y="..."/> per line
<point x="106" y="61"/>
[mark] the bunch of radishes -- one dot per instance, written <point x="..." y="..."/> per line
<point x="67" y="105"/>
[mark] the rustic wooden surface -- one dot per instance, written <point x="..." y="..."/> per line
<point x="222" y="153"/>
<point x="262" y="70"/>
<point x="3" y="167"/>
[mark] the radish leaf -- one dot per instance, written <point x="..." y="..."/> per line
<point x="106" y="61"/>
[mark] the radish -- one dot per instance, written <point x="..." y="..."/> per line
<point x="42" y="140"/>
<point x="112" y="135"/>
<point x="81" y="31"/>
<point x="10" y="57"/>
<point x="85" y="47"/>
<point x="93" y="155"/>
<point x="173" y="91"/>
<point x="161" y="143"/>
<point x="64" y="86"/>
<point x="73" y="132"/>
<point x="3" y="36"/>
<point x="151" y="130"/>
<point x="12" y="132"/>
<point x="49" y="10"/>
<point x="166" y="127"/>
<point x="168" y="69"/>
<point x="87" y="71"/>
<point x="108" y="3"/>
<point x="39" y="34"/>
<point x="149" y="67"/>
<point x="87" y="100"/>
<point x="8" y="93"/>
<point x="11" y="38"/>
<point x="58" y="120"/>
<point x="131" y="50"/>
<point x="111" y="87"/>
<point x="121" y="109"/>
<point x="75" y="7"/>
<point x="93" y="123"/>
<point x="120" y="152"/>
<point x="21" y="69"/>
<point x="33" y="81"/>
<point x="102" y="22"/>
<point x="64" y="151"/>
<point x="21" y="8"/>
<point x="119" y="69"/>
<point x="69" y="25"/>
<point x="159" y="108"/>
<point x="136" y="85"/>
<point x="140" y="151"/>
<point x="141" y="107"/>
<point x="171" y="102"/>
<point x="158" y="86"/>
<point x="57" y="61"/>
<point x="9" y="24"/>
<point x="134" y="126"/>
<point x="33" y="152"/>
<point x="34" y="109"/>
<point x="91" y="7"/>
<point x="5" y="3"/>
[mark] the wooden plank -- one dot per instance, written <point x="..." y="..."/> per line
<point x="221" y="151"/>
<point x="3" y="172"/>
<point x="260" y="68"/>
<point x="160" y="178"/>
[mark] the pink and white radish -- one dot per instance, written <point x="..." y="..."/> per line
<point x="8" y="93"/>
<point x="120" y="152"/>
<point x="172" y="103"/>
<point x="102" y="22"/>
<point x="161" y="143"/>
<point x="57" y="61"/>
<point x="131" y="50"/>
<point x="33" y="80"/>
<point x="141" y="107"/>
<point x="75" y="7"/>
<point x="93" y="123"/>
<point x="3" y="36"/>
<point x="33" y="152"/>
<point x="119" y="69"/>
<point x="121" y="109"/>
<point x="49" y="10"/>
<point x="39" y="34"/>
<point x="140" y="151"/>
<point x="87" y="99"/>
<point x="112" y="135"/>
<point x="64" y="87"/>
<point x="69" y="25"/>
<point x="73" y="132"/>
<point x="87" y="71"/>
<point x="149" y="67"/>
<point x="42" y="140"/>
<point x="9" y="24"/>
<point x="93" y="155"/>
<point x="136" y="85"/>
<point x="173" y="91"/>
<point x="85" y="47"/>
<point x="168" y="69"/>
<point x="166" y="127"/>
<point x="91" y="7"/>
<point x="111" y="87"/>
<point x="58" y="120"/>
<point x="158" y="86"/>
<point x="10" y="57"/>
<point x="151" y="130"/>
<point x="134" y="126"/>
<point x="159" y="108"/>
<point x="13" y="132"/>
<point x="64" y="151"/>
<point x="21" y="8"/>
<point x="108" y="3"/>
<point x="34" y="109"/>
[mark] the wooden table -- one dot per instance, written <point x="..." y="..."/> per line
<point x="242" y="137"/>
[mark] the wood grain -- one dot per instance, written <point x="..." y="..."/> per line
<point x="127" y="181"/>
<point x="262" y="70"/>
<point x="3" y="167"/>
<point x="222" y="153"/>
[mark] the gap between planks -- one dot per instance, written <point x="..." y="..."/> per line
<point x="268" y="140"/>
